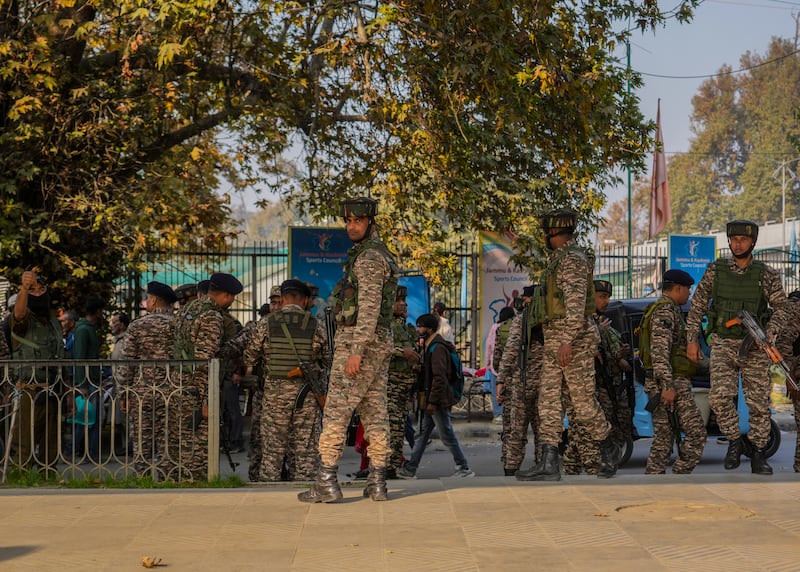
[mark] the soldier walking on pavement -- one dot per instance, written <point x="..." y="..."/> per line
<point x="202" y="330"/>
<point x="402" y="377"/>
<point x="147" y="389"/>
<point x="519" y="399"/>
<point x="359" y="374"/>
<point x="290" y="414"/>
<point x="669" y="377"/>
<point x="570" y="343"/>
<point x="727" y="286"/>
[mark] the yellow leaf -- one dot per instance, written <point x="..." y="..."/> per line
<point x="195" y="154"/>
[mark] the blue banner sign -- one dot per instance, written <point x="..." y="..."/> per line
<point x="692" y="254"/>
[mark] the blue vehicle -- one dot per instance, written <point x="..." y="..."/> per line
<point x="626" y="315"/>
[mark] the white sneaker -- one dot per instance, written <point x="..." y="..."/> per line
<point x="463" y="472"/>
<point x="498" y="420"/>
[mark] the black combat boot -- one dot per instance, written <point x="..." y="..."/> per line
<point x="733" y="456"/>
<point x="326" y="488"/>
<point x="609" y="458"/>
<point x="547" y="469"/>
<point x="758" y="463"/>
<point x="510" y="472"/>
<point x="376" y="484"/>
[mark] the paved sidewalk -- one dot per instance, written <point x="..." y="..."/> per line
<point x="695" y="522"/>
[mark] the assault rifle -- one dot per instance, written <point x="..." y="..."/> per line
<point x="757" y="335"/>
<point x="672" y="416"/>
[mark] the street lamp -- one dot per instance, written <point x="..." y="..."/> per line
<point x="782" y="169"/>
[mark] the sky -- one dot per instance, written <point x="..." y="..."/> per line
<point x="720" y="32"/>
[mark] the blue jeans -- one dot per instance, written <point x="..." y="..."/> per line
<point x="441" y="420"/>
<point x="490" y="385"/>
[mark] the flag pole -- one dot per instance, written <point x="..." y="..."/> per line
<point x="630" y="207"/>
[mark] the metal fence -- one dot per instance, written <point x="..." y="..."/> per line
<point x="261" y="265"/>
<point x="75" y="419"/>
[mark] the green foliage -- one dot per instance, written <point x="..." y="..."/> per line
<point x="744" y="128"/>
<point x="119" y="120"/>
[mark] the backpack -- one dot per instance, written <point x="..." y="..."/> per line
<point x="681" y="365"/>
<point x="456" y="372"/>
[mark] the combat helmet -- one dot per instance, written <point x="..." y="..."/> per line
<point x="742" y="227"/>
<point x="564" y="220"/>
<point x="559" y="218"/>
<point x="359" y="206"/>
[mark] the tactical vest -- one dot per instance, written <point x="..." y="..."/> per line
<point x="401" y="334"/>
<point x="680" y="363"/>
<point x="42" y="341"/>
<point x="346" y="291"/>
<point x="185" y="322"/>
<point x="282" y="358"/>
<point x="554" y="308"/>
<point x="501" y="337"/>
<point x="733" y="292"/>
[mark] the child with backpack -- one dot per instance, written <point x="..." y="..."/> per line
<point x="442" y="380"/>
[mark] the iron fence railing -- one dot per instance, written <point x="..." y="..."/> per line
<point x="78" y="418"/>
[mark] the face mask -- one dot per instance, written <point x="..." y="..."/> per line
<point x="39" y="305"/>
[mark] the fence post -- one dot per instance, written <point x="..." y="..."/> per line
<point x="475" y="311"/>
<point x="213" y="419"/>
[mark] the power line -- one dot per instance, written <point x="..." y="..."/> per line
<point x="720" y="74"/>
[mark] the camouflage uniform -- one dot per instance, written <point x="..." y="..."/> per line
<point x="402" y="378"/>
<point x="581" y="452"/>
<point x="668" y="330"/>
<point x="520" y="404"/>
<point x="785" y="344"/>
<point x="725" y="362"/>
<point x="148" y="389"/>
<point x="367" y="391"/>
<point x="573" y="276"/>
<point x="201" y="332"/>
<point x="292" y="433"/>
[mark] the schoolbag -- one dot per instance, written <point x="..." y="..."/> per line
<point x="456" y="372"/>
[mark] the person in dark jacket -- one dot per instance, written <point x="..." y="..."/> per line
<point x="439" y="399"/>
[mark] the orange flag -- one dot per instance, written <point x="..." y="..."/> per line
<point x="660" y="210"/>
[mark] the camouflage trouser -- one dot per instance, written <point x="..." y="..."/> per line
<point x="691" y="423"/>
<point x="255" y="436"/>
<point x="292" y="434"/>
<point x="797" y="438"/>
<point x="577" y="377"/>
<point x="725" y="369"/>
<point x="400" y="386"/>
<point x="366" y="393"/>
<point x="187" y="438"/>
<point x="519" y="413"/>
<point x="581" y="451"/>
<point x="146" y="418"/>
<point x="617" y="411"/>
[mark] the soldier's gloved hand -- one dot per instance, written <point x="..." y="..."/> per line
<point x="668" y="399"/>
<point x="564" y="355"/>
<point x="353" y="365"/>
<point x="603" y="323"/>
<point x="693" y="351"/>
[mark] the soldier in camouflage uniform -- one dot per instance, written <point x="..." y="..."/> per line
<point x="669" y="377"/>
<point x="570" y="344"/>
<point x="787" y="343"/>
<point x="610" y="363"/>
<point x="290" y="420"/>
<point x="729" y="285"/>
<point x="402" y="377"/>
<point x="146" y="389"/>
<point x="203" y="329"/>
<point x="519" y="400"/>
<point x="360" y="370"/>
